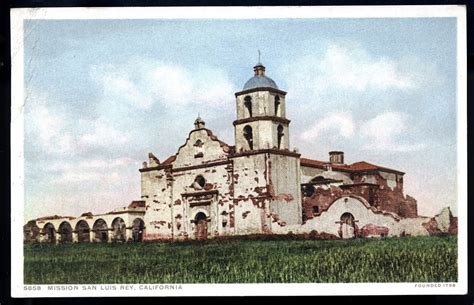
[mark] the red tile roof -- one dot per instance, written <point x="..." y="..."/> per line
<point x="137" y="204"/>
<point x="361" y="166"/>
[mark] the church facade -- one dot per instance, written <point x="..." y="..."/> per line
<point x="259" y="185"/>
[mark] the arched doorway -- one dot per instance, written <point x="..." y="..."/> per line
<point x="137" y="229"/>
<point x="65" y="232"/>
<point x="201" y="226"/>
<point x="347" y="228"/>
<point x="49" y="233"/>
<point x="101" y="230"/>
<point x="31" y="232"/>
<point x="82" y="229"/>
<point x="119" y="230"/>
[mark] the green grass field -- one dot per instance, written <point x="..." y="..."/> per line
<point x="415" y="259"/>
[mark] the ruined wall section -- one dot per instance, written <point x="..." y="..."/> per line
<point x="156" y="190"/>
<point x="284" y="183"/>
<point x="389" y="196"/>
<point x="252" y="194"/>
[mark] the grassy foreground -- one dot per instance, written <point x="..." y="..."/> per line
<point x="415" y="259"/>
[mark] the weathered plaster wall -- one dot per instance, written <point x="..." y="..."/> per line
<point x="252" y="194"/>
<point x="200" y="148"/>
<point x="156" y="188"/>
<point x="285" y="187"/>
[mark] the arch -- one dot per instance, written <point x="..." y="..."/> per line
<point x="49" y="232"/>
<point x="119" y="230"/>
<point x="280" y="135"/>
<point x="138" y="228"/>
<point x="347" y="218"/>
<point x="83" y="230"/>
<point x="31" y="232"/>
<point x="248" y="105"/>
<point x="200" y="220"/>
<point x="248" y="135"/>
<point x="65" y="232"/>
<point x="277" y="105"/>
<point x="318" y="179"/>
<point x="101" y="231"/>
<point x="347" y="227"/>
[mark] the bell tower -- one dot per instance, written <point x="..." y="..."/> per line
<point x="261" y="115"/>
<point x="266" y="173"/>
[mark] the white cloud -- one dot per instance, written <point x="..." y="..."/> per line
<point x="94" y="170"/>
<point x="385" y="133"/>
<point x="342" y="71"/>
<point x="92" y="164"/>
<point x="45" y="127"/>
<point x="102" y="135"/>
<point x="340" y="124"/>
<point x="357" y="70"/>
<point x="56" y="132"/>
<point x="142" y="83"/>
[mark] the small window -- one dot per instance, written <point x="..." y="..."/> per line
<point x="280" y="135"/>
<point x="315" y="209"/>
<point x="199" y="182"/>
<point x="277" y="105"/>
<point x="248" y="105"/>
<point x="198" y="143"/>
<point x="248" y="135"/>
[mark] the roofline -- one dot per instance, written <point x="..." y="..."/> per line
<point x="265" y="151"/>
<point x="337" y="167"/>
<point x="274" y="90"/>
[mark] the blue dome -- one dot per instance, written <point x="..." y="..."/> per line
<point x="260" y="81"/>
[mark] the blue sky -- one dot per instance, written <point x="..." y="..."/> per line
<point x="101" y="94"/>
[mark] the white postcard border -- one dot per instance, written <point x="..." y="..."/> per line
<point x="18" y="16"/>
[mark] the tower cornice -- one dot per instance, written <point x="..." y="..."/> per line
<point x="262" y="118"/>
<point x="270" y="89"/>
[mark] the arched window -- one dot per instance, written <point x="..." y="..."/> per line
<point x="280" y="135"/>
<point x="277" y="105"/>
<point x="248" y="135"/>
<point x="199" y="182"/>
<point x="248" y="105"/>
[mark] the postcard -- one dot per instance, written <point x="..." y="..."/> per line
<point x="183" y="151"/>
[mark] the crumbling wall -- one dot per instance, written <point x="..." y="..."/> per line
<point x="389" y="196"/>
<point x="252" y="193"/>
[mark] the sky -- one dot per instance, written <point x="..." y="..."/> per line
<point x="102" y="94"/>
